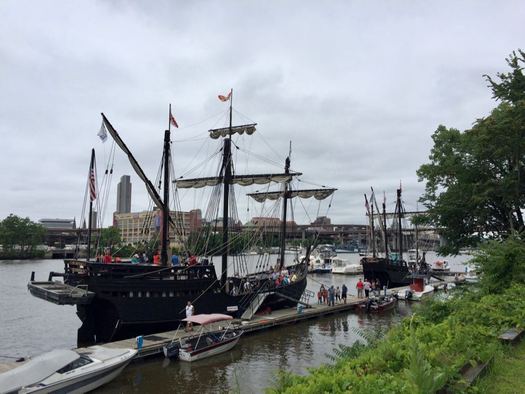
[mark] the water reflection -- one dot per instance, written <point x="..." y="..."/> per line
<point x="252" y="365"/>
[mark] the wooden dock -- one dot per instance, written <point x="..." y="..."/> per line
<point x="153" y="344"/>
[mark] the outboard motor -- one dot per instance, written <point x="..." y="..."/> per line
<point x="368" y="305"/>
<point x="172" y="350"/>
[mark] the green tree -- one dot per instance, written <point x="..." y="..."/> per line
<point x="109" y="237"/>
<point x="20" y="236"/>
<point x="475" y="187"/>
<point x="500" y="264"/>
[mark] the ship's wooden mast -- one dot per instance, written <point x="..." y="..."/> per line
<point x="285" y="205"/>
<point x="227" y="177"/>
<point x="385" y="229"/>
<point x="372" y="228"/>
<point x="166" y="200"/>
<point x="399" y="218"/>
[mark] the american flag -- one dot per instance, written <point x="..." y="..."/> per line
<point x="92" y="185"/>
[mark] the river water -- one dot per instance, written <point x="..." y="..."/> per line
<point x="30" y="326"/>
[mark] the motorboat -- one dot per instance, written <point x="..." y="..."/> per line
<point x="67" y="371"/>
<point x="325" y="250"/>
<point x="207" y="342"/>
<point x="377" y="304"/>
<point x="319" y="266"/>
<point x="413" y="294"/>
<point x="340" y="266"/>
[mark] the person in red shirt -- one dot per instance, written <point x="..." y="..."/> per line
<point x="156" y="258"/>
<point x="107" y="258"/>
<point x="359" y="287"/>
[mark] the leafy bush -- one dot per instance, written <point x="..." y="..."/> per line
<point x="423" y="352"/>
<point x="501" y="263"/>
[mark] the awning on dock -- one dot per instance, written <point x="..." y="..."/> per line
<point x="60" y="293"/>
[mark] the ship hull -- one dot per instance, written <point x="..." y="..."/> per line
<point x="127" y="307"/>
<point x="388" y="272"/>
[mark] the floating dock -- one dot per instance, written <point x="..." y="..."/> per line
<point x="153" y="344"/>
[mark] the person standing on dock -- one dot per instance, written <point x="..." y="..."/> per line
<point x="344" y="291"/>
<point x="331" y="296"/>
<point x="367" y="286"/>
<point x="189" y="313"/>
<point x="359" y="288"/>
<point x="337" y="295"/>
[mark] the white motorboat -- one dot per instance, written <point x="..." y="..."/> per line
<point x="413" y="295"/>
<point x="318" y="264"/>
<point x="340" y="266"/>
<point x="206" y="342"/>
<point x="67" y="371"/>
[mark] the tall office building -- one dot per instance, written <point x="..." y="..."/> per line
<point x="124" y="195"/>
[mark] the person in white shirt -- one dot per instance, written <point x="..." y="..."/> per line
<point x="368" y="287"/>
<point x="189" y="313"/>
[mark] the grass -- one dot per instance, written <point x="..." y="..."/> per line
<point x="507" y="374"/>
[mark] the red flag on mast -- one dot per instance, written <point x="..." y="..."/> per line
<point x="173" y="121"/>
<point x="225" y="98"/>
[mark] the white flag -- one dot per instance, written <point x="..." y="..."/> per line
<point x="103" y="133"/>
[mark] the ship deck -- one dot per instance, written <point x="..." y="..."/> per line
<point x="60" y="293"/>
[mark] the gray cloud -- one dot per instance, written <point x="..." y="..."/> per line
<point x="358" y="88"/>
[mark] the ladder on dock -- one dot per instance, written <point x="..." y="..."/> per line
<point x="254" y="305"/>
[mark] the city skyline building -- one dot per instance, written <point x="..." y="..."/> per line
<point x="137" y="227"/>
<point x="124" y="195"/>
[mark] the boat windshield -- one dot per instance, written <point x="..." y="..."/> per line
<point x="79" y="362"/>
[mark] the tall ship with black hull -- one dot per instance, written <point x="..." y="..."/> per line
<point x="391" y="272"/>
<point x="121" y="300"/>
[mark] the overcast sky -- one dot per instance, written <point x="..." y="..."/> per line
<point x="357" y="86"/>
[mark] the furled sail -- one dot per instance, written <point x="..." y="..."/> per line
<point x="226" y="131"/>
<point x="318" y="194"/>
<point x="242" y="180"/>
<point x="149" y="186"/>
